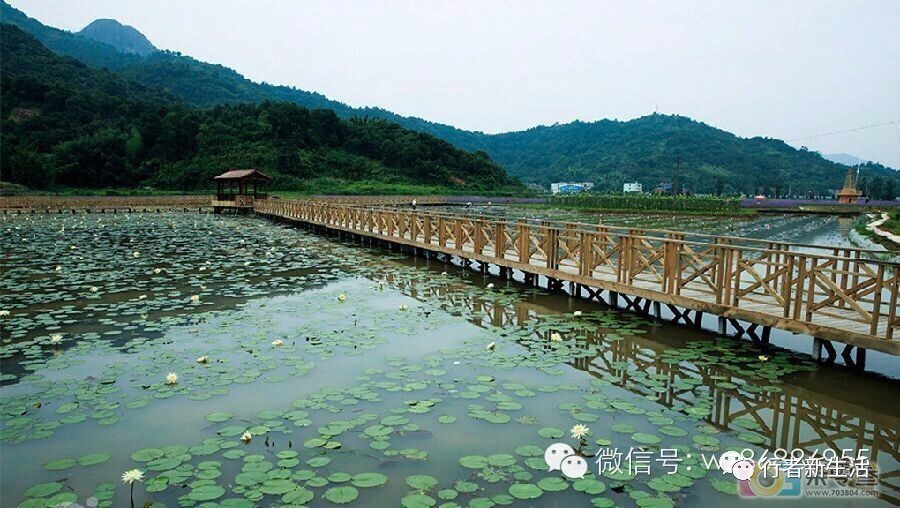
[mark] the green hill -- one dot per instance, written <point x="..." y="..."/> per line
<point x="606" y="152"/>
<point x="126" y="39"/>
<point x="68" y="124"/>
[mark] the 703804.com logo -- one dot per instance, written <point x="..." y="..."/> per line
<point x="770" y="482"/>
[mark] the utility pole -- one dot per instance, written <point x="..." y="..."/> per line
<point x="675" y="180"/>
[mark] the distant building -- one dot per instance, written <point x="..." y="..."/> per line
<point x="536" y="187"/>
<point x="633" y="187"/>
<point x="570" y="187"/>
<point x="663" y="188"/>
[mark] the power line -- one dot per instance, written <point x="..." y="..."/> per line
<point x="847" y="130"/>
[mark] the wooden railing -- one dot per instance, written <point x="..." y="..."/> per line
<point x="843" y="297"/>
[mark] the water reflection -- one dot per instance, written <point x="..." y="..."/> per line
<point x="812" y="410"/>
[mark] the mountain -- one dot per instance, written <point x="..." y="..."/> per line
<point x="843" y="158"/>
<point x="607" y="152"/>
<point x="124" y="38"/>
<point x="65" y="123"/>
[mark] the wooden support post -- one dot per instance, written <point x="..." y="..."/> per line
<point x="723" y="326"/>
<point x="614" y="299"/>
<point x="657" y="310"/>
<point x="817" y="349"/>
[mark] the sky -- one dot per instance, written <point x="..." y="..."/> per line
<point x="813" y="73"/>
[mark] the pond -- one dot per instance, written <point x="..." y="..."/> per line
<point x="238" y="362"/>
<point x="819" y="229"/>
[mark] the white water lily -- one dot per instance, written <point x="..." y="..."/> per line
<point x="579" y="431"/>
<point x="555" y="337"/>
<point x="491" y="346"/>
<point x="132" y="475"/>
<point x="443" y="273"/>
<point x="490" y="286"/>
<point x="142" y="297"/>
<point x="58" y="268"/>
<point x="202" y="359"/>
<point x="403" y="307"/>
<point x="94" y="289"/>
<point x="171" y="378"/>
<point x="56" y="338"/>
<point x="763" y="358"/>
<point x="202" y="268"/>
<point x="195" y="298"/>
<point x="277" y="342"/>
<point x="341" y="297"/>
<point x="157" y="271"/>
<point x="4" y="312"/>
<point x="577" y="313"/>
<point x="136" y="254"/>
<point x="246" y="436"/>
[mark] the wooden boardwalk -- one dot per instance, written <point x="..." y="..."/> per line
<point x="827" y="293"/>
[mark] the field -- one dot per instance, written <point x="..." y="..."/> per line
<point x="651" y="203"/>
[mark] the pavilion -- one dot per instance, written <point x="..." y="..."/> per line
<point x="239" y="188"/>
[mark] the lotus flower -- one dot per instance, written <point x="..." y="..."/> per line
<point x="157" y="271"/>
<point x="195" y="298"/>
<point x="491" y="346"/>
<point x="403" y="307"/>
<point x="4" y="312"/>
<point x="579" y="431"/>
<point x="341" y="297"/>
<point x="763" y="358"/>
<point x="490" y="286"/>
<point x="171" y="378"/>
<point x="555" y="337"/>
<point x="202" y="359"/>
<point x="56" y="339"/>
<point x="277" y="342"/>
<point x="577" y="313"/>
<point x="132" y="475"/>
<point x="94" y="289"/>
<point x="246" y="436"/>
<point x="58" y="268"/>
<point x="136" y="254"/>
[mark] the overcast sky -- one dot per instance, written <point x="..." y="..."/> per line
<point x="785" y="69"/>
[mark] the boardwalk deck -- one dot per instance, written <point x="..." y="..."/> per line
<point x="835" y="294"/>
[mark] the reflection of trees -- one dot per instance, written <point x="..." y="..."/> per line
<point x="809" y="413"/>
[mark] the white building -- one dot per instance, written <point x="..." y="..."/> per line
<point x="570" y="187"/>
<point x="633" y="187"/>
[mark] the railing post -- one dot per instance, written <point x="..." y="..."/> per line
<point x="478" y="246"/>
<point x="551" y="246"/>
<point x="524" y="242"/>
<point x="585" y="253"/>
<point x="500" y="240"/>
<point x="876" y="304"/>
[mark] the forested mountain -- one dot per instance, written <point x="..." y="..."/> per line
<point x="65" y="123"/>
<point x="607" y="152"/>
<point x="126" y="39"/>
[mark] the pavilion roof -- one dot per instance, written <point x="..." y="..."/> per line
<point x="243" y="174"/>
